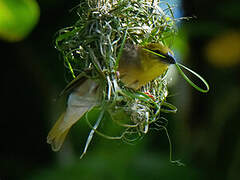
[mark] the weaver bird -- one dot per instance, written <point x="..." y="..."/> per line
<point x="137" y="66"/>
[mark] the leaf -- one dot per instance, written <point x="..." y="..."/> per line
<point x="189" y="81"/>
<point x="171" y="108"/>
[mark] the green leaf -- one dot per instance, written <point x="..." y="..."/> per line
<point x="189" y="81"/>
<point x="171" y="108"/>
<point x="17" y="18"/>
<point x="137" y="95"/>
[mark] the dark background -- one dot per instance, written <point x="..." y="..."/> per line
<point x="205" y="131"/>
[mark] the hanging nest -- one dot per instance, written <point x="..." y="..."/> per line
<point x="92" y="48"/>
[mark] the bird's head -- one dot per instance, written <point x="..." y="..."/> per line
<point x="159" y="51"/>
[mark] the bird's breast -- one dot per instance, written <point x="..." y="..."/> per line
<point x="137" y="77"/>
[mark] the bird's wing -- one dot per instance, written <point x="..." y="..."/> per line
<point x="81" y="100"/>
<point x="81" y="78"/>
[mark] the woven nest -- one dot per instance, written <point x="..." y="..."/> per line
<point x="92" y="47"/>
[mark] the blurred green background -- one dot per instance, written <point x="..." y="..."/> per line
<point x="204" y="132"/>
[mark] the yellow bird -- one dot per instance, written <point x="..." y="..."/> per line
<point x="137" y="66"/>
<point x="140" y="64"/>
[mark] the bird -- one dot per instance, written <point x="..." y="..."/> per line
<point x="138" y="65"/>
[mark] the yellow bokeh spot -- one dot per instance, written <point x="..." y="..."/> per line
<point x="224" y="50"/>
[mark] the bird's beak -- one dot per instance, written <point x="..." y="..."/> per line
<point x="170" y="58"/>
<point x="167" y="58"/>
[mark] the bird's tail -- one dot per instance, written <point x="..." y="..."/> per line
<point x="81" y="100"/>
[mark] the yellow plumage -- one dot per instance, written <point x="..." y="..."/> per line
<point x="138" y="66"/>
